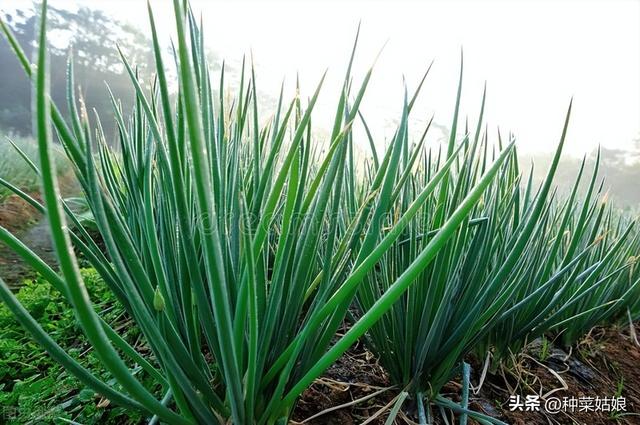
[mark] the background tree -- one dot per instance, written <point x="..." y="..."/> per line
<point x="92" y="36"/>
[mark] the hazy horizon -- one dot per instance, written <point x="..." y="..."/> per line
<point x="542" y="54"/>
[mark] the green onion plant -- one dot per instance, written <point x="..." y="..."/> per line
<point x="236" y="244"/>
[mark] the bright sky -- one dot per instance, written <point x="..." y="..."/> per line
<point x="534" y="56"/>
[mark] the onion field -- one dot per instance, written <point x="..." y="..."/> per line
<point x="251" y="255"/>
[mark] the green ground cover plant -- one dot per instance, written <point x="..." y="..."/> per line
<point x="33" y="387"/>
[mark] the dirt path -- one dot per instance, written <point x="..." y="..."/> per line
<point x="25" y="222"/>
<point x="38" y="238"/>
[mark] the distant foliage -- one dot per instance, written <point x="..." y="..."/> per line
<point x="620" y="170"/>
<point x="15" y="169"/>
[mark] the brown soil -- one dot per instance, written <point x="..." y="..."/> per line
<point x="604" y="362"/>
<point x="16" y="214"/>
<point x="354" y="376"/>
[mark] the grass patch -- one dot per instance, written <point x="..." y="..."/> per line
<point x="14" y="167"/>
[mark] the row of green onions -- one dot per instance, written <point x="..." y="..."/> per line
<point x="239" y="245"/>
